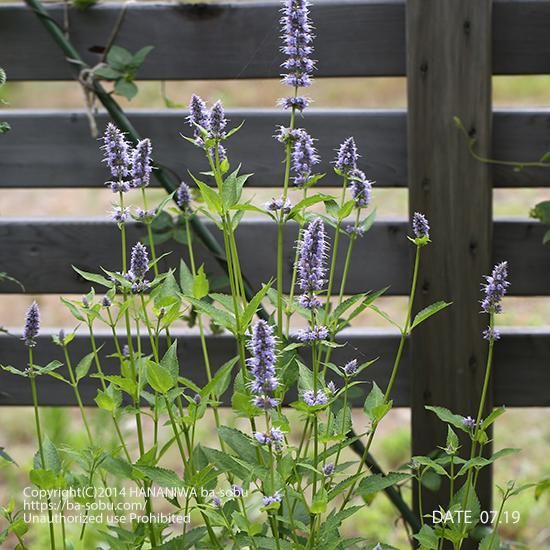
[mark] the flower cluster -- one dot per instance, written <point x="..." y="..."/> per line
<point x="346" y="158"/>
<point x="212" y="121"/>
<point x="183" y="197"/>
<point x="296" y="29"/>
<point x="262" y="365"/>
<point x="32" y="325"/>
<point x="313" y="399"/>
<point x="311" y="258"/>
<point x="130" y="168"/>
<point x="271" y="437"/>
<point x="281" y="203"/>
<point x="315" y="334"/>
<point x="304" y="157"/>
<point x="420" y="226"/>
<point x="495" y="287"/>
<point x="361" y="189"/>
<point x="139" y="265"/>
<point x="350" y="368"/>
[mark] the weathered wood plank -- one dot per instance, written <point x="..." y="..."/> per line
<point x="205" y="41"/>
<point x="521" y="373"/>
<point x="40" y="253"/>
<point x="64" y="154"/>
<point x="365" y="38"/>
<point x="448" y="74"/>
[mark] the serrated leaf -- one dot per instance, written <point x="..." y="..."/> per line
<point x="126" y="88"/>
<point x="427" y="538"/>
<point x="170" y="361"/>
<point x="84" y="366"/>
<point x="159" y="377"/>
<point x="52" y="461"/>
<point x="220" y="317"/>
<point x="448" y="417"/>
<point x="161" y="476"/>
<point x="253" y="305"/>
<point x="377" y="482"/>
<point x="186" y="279"/>
<point x="374" y="399"/>
<point x="94" y="278"/>
<point x="119" y="57"/>
<point x="427" y="312"/>
<point x="200" y="284"/>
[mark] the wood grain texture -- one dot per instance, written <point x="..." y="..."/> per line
<point x="449" y="73"/>
<point x="202" y="41"/>
<point x="354" y="38"/>
<point x="40" y="253"/>
<point x="64" y="154"/>
<point x="521" y="373"/>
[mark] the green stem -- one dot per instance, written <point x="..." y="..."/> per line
<point x="395" y="368"/>
<point x="32" y="376"/>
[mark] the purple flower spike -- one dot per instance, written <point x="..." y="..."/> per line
<point x="32" y="325"/>
<point x="262" y="365"/>
<point x="328" y="469"/>
<point x="420" y="226"/>
<point x="304" y="157"/>
<point x="141" y="164"/>
<point x="361" y="189"/>
<point x="139" y="262"/>
<point x="311" y="258"/>
<point x="118" y="186"/>
<point x="350" y="368"/>
<point x="115" y="150"/>
<point x="495" y="287"/>
<point x="297" y="38"/>
<point x="217" y="121"/>
<point x="183" y="196"/>
<point x="198" y="114"/>
<point x="346" y="159"/>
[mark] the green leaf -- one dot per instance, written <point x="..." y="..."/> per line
<point x="139" y="57"/>
<point x="52" y="461"/>
<point x="84" y="366"/>
<point x="253" y="305"/>
<point x="495" y="413"/>
<point x="209" y="196"/>
<point x="6" y="456"/>
<point x="384" y="315"/>
<point x="161" y="476"/>
<point x="109" y="399"/>
<point x="107" y="73"/>
<point x="200" y="284"/>
<point x="368" y="222"/>
<point x="220" y="317"/>
<point x="427" y="538"/>
<point x="119" y="57"/>
<point x="429" y="463"/>
<point x="220" y="381"/>
<point x="186" y="279"/>
<point x="232" y="188"/>
<point x="170" y="361"/>
<point x="319" y="502"/>
<point x="46" y="479"/>
<point x="228" y="463"/>
<point x="240" y="443"/>
<point x="13" y="370"/>
<point x="184" y="542"/>
<point x="94" y="278"/>
<point x="427" y="312"/>
<point x="374" y="399"/>
<point x="159" y="377"/>
<point x="377" y="482"/>
<point x="452" y="439"/>
<point x="448" y="417"/>
<point x="305" y="379"/>
<point x="125" y="88"/>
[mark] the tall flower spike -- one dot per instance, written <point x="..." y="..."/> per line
<point x="32" y="325"/>
<point x="311" y="258"/>
<point x="262" y="365"/>
<point x="361" y="189"/>
<point x="217" y="120"/>
<point x="141" y="164"/>
<point x="198" y="114"/>
<point x="495" y="287"/>
<point x="346" y="158"/>
<point x="115" y="151"/>
<point x="183" y="196"/>
<point x="420" y="226"/>
<point x="297" y="39"/>
<point x="139" y="262"/>
<point x="304" y="157"/>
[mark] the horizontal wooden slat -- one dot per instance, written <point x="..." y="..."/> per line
<point x="40" y="253"/>
<point x="202" y="41"/>
<point x="521" y="374"/>
<point x="64" y="155"/>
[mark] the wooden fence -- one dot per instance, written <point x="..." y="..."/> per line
<point x="449" y="50"/>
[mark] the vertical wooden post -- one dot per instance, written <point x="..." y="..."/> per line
<point x="449" y="74"/>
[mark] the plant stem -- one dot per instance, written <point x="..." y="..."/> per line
<point x="32" y="377"/>
<point x="404" y="333"/>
